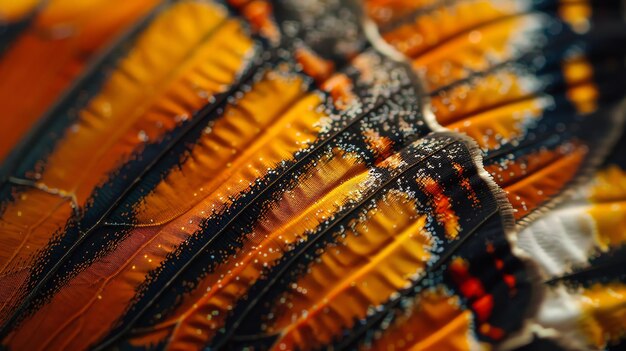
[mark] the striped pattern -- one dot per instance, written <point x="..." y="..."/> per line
<point x="313" y="174"/>
<point x="525" y="79"/>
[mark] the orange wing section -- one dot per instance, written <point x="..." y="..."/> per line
<point x="12" y="11"/>
<point x="260" y="15"/>
<point x="435" y="321"/>
<point x="487" y="75"/>
<point x="53" y="51"/>
<point x="154" y="89"/>
<point x="608" y="207"/>
<point x="252" y="136"/>
<point x="603" y="317"/>
<point x="538" y="176"/>
<point x="377" y="258"/>
<point x="318" y="197"/>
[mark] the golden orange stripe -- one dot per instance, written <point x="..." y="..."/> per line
<point x="453" y="60"/>
<point x="604" y="313"/>
<point x="416" y="38"/>
<point x="13" y="11"/>
<point x="608" y="207"/>
<point x="316" y="198"/>
<point x="236" y="149"/>
<point x="435" y="322"/>
<point x="44" y="59"/>
<point x="536" y="187"/>
<point x="372" y="260"/>
<point x="492" y="128"/>
<point x="498" y="89"/>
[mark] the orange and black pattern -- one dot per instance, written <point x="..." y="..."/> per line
<point x="533" y="82"/>
<point x="295" y="175"/>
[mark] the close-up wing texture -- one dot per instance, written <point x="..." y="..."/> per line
<point x="312" y="174"/>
